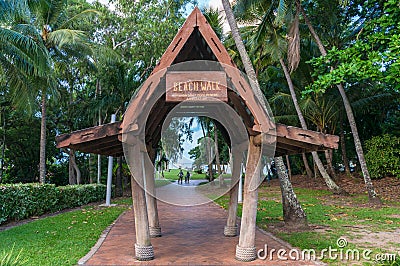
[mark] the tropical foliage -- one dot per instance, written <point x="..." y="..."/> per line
<point x="68" y="65"/>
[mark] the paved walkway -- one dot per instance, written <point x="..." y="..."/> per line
<point x="185" y="194"/>
<point x="190" y="236"/>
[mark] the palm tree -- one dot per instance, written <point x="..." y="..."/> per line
<point x="57" y="34"/>
<point x="282" y="8"/>
<point x="289" y="197"/>
<point x="268" y="38"/>
<point x="22" y="57"/>
<point x="372" y="195"/>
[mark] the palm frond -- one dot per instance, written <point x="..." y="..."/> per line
<point x="215" y="20"/>
<point x="242" y="9"/>
<point x="281" y="12"/>
<point x="61" y="37"/>
<point x="287" y="119"/>
<point x="5" y="11"/>
<point x="105" y="54"/>
<point x="24" y="49"/>
<point x="20" y="87"/>
<point x="365" y="104"/>
<point x="50" y="10"/>
<point x="78" y="18"/>
<point x="281" y="98"/>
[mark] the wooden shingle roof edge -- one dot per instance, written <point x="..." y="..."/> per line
<point x="106" y="140"/>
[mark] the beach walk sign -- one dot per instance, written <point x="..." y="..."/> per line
<point x="192" y="85"/>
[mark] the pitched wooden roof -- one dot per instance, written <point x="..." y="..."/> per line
<point x="195" y="41"/>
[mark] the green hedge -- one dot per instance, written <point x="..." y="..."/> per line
<point x="20" y="201"/>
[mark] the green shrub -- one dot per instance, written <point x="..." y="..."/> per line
<point x="78" y="195"/>
<point x="20" y="201"/>
<point x="383" y="156"/>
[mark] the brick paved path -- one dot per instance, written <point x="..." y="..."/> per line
<point x="191" y="236"/>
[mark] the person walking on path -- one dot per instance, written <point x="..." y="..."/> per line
<point x="180" y="175"/>
<point x="187" y="177"/>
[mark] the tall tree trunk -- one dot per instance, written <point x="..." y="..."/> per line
<point x="71" y="170"/>
<point x="317" y="173"/>
<point x="118" y="178"/>
<point x="98" y="92"/>
<point x="220" y="176"/>
<point x="75" y="172"/>
<point x="42" y="156"/>
<point x="293" y="213"/>
<point x="328" y="157"/>
<point x="254" y="84"/>
<point x="373" y="196"/>
<point x="90" y="169"/>
<point x="208" y="151"/>
<point x="216" y="150"/>
<point x="328" y="180"/>
<point x="307" y="166"/>
<point x="289" y="169"/>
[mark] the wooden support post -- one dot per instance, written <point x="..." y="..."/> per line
<point x="143" y="248"/>
<point x="246" y="250"/>
<point x="152" y="210"/>
<point x="231" y="226"/>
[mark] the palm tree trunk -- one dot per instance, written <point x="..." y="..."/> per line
<point x="328" y="180"/>
<point x="71" y="170"/>
<point x="118" y="178"/>
<point x="328" y="157"/>
<point x="77" y="170"/>
<point x="98" y="92"/>
<point x="42" y="153"/>
<point x="74" y="172"/>
<point x="90" y="168"/>
<point x="373" y="196"/>
<point x="256" y="88"/>
<point x="307" y="166"/>
<point x="208" y="152"/>
<point x="216" y="150"/>
<point x="220" y="175"/>
<point x="293" y="213"/>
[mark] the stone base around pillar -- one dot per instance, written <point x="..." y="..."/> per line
<point x="230" y="230"/>
<point x="144" y="253"/>
<point x="246" y="254"/>
<point x="155" y="231"/>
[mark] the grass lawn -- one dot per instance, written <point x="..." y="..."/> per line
<point x="61" y="239"/>
<point x="331" y="217"/>
<point x="162" y="182"/>
<point x="173" y="175"/>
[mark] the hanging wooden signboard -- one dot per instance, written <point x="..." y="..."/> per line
<point x="190" y="85"/>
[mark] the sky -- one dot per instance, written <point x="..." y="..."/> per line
<point x="187" y="145"/>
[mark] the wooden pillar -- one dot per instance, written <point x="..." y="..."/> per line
<point x="246" y="250"/>
<point x="231" y="226"/>
<point x="143" y="248"/>
<point x="152" y="210"/>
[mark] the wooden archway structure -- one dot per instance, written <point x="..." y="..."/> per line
<point x="140" y="131"/>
